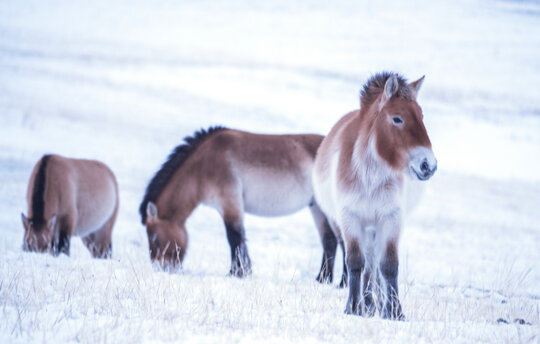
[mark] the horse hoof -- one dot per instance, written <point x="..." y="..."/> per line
<point x="240" y="273"/>
<point x="396" y="317"/>
<point x="370" y="312"/>
<point x="343" y="284"/>
<point x="349" y="310"/>
<point x="323" y="280"/>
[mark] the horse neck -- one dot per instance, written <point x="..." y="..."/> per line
<point x="372" y="172"/>
<point x="180" y="197"/>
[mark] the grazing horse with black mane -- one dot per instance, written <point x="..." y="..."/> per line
<point x="234" y="172"/>
<point x="68" y="197"/>
<point x="361" y="181"/>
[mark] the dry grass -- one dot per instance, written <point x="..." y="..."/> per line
<point x="127" y="300"/>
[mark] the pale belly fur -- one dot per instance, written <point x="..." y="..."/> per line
<point x="93" y="211"/>
<point x="276" y="193"/>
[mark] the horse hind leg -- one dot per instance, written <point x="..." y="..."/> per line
<point x="329" y="242"/>
<point x="99" y="243"/>
<point x="344" y="282"/>
<point x="62" y="237"/>
<point x="345" y="274"/>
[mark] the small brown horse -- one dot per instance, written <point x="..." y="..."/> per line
<point x="68" y="197"/>
<point x="234" y="172"/>
<point x="360" y="181"/>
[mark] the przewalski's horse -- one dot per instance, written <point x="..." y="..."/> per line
<point x="234" y="172"/>
<point x="360" y="177"/>
<point x="68" y="197"/>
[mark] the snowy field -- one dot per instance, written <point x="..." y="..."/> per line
<point x="125" y="81"/>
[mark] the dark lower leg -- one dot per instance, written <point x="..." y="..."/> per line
<point x="61" y="242"/>
<point x="389" y="270"/>
<point x="240" y="261"/>
<point x="355" y="265"/>
<point x="329" y="242"/>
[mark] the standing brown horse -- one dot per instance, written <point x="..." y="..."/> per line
<point x="69" y="197"/>
<point x="234" y="172"/>
<point x="360" y="180"/>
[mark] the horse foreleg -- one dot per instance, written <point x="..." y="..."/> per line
<point x="240" y="261"/>
<point x="355" y="265"/>
<point x="389" y="270"/>
<point x="62" y="236"/>
<point x="361" y="283"/>
<point x="367" y="292"/>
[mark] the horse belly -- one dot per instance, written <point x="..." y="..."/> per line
<point x="276" y="194"/>
<point x="94" y="208"/>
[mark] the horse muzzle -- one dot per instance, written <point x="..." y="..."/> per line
<point x="423" y="163"/>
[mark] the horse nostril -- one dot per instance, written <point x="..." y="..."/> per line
<point x="424" y="167"/>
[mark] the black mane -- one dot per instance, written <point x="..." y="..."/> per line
<point x="177" y="157"/>
<point x="38" y="193"/>
<point x="375" y="86"/>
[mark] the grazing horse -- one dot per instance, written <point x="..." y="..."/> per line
<point x="68" y="197"/>
<point x="233" y="172"/>
<point x="361" y="179"/>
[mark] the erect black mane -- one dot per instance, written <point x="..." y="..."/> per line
<point x="177" y="157"/>
<point x="38" y="193"/>
<point x="375" y="86"/>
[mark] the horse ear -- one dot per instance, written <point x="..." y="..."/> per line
<point x="52" y="222"/>
<point x="415" y="85"/>
<point x="25" y="221"/>
<point x="390" y="88"/>
<point x="151" y="212"/>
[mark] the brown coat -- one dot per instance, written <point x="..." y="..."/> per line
<point x="70" y="197"/>
<point x="234" y="172"/>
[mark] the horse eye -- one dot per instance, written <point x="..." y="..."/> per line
<point x="397" y="120"/>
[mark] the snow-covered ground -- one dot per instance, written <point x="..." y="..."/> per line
<point x="125" y="81"/>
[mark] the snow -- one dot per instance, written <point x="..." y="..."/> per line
<point x="124" y="82"/>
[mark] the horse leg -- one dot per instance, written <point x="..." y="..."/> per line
<point x="345" y="275"/>
<point x="329" y="242"/>
<point x="240" y="261"/>
<point x="367" y="292"/>
<point x="236" y="235"/>
<point x="389" y="270"/>
<point x="99" y="243"/>
<point x="355" y="265"/>
<point x="62" y="237"/>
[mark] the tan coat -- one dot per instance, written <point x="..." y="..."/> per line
<point x="233" y="172"/>
<point x="70" y="197"/>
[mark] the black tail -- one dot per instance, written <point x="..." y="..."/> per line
<point x="38" y="194"/>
